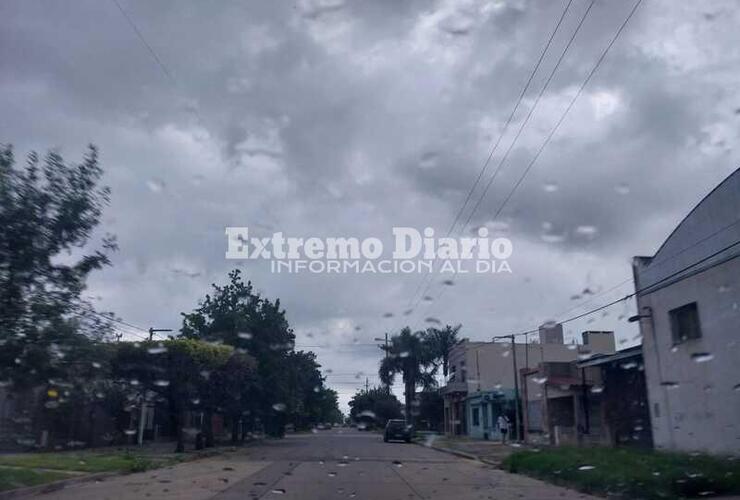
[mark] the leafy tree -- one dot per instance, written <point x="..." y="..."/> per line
<point x="237" y="316"/>
<point x="441" y="341"/>
<point x="48" y="210"/>
<point x="409" y="354"/>
<point x="378" y="404"/>
<point x="430" y="410"/>
<point x="178" y="370"/>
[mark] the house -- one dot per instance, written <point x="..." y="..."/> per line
<point x="482" y="383"/>
<point x="599" y="400"/>
<point x="688" y="299"/>
<point x="619" y="394"/>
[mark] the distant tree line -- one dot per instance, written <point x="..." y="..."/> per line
<point x="234" y="356"/>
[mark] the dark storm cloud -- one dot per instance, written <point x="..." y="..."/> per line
<point x="325" y="117"/>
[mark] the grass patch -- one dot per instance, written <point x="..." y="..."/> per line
<point x="81" y="461"/>
<point x="19" y="478"/>
<point x="630" y="473"/>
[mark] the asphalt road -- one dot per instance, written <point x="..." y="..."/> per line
<point x="342" y="464"/>
<point x="333" y="464"/>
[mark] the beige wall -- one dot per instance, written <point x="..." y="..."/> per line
<point x="489" y="365"/>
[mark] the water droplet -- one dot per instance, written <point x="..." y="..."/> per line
<point x="587" y="231"/>
<point x="388" y="315"/>
<point x="550" y="187"/>
<point x="448" y="282"/>
<point x="702" y="357"/>
<point x="130" y="432"/>
<point x="433" y="320"/>
<point x="332" y="474"/>
<point x="597" y="389"/>
<point x="160" y="349"/>
<point x="279" y="407"/>
<point x="586" y="467"/>
<point x="427" y="298"/>
<point x="403" y="354"/>
<point x="670" y="385"/>
<point x="539" y="380"/>
<point x="429" y="160"/>
<point x="155" y="185"/>
<point x="247" y="335"/>
<point x="622" y="188"/>
<point x="397" y="463"/>
<point x="367" y="413"/>
<point x="278" y="491"/>
<point x="162" y="383"/>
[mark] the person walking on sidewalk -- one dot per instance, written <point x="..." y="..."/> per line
<point x="503" y="427"/>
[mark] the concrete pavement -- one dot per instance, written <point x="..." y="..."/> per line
<point x="335" y="464"/>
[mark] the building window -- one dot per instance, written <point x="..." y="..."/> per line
<point x="476" y="417"/>
<point x="685" y="323"/>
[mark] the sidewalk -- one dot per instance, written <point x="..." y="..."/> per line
<point x="490" y="452"/>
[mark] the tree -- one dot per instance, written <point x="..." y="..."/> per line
<point x="178" y="370"/>
<point x="431" y="410"/>
<point x="378" y="405"/>
<point x="235" y="315"/>
<point x="442" y="341"/>
<point x="409" y="354"/>
<point x="48" y="209"/>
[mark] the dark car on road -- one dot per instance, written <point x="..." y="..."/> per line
<point x="397" y="430"/>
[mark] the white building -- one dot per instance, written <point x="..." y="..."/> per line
<point x="688" y="298"/>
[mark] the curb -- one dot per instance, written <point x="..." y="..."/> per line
<point x="55" y="485"/>
<point x="462" y="454"/>
<point x="100" y="476"/>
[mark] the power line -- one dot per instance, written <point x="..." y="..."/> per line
<point x="653" y="266"/>
<point x="565" y="112"/>
<point x="501" y="134"/>
<point x="524" y="123"/>
<point x="636" y="292"/>
<point x="568" y="108"/>
<point x="144" y="42"/>
<point x="503" y="130"/>
<point x="158" y="60"/>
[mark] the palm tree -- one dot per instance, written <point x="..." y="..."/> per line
<point x="442" y="341"/>
<point x="410" y="355"/>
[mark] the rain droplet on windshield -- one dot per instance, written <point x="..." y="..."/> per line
<point x="160" y="349"/>
<point x="550" y="187"/>
<point x="622" y="188"/>
<point x="279" y="407"/>
<point x="702" y="357"/>
<point x="155" y="185"/>
<point x="587" y="231"/>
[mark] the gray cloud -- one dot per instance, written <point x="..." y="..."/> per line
<point x="347" y="118"/>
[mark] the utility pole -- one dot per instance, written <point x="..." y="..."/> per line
<point x="516" y="390"/>
<point x="142" y="400"/>
<point x="378" y="339"/>
<point x="152" y="331"/>
<point x="366" y="385"/>
<point x="516" y="384"/>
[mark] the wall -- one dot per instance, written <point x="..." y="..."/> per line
<point x="695" y="406"/>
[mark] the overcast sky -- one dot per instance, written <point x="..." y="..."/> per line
<point x="331" y="118"/>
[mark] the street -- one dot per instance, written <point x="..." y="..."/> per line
<point x="333" y="464"/>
